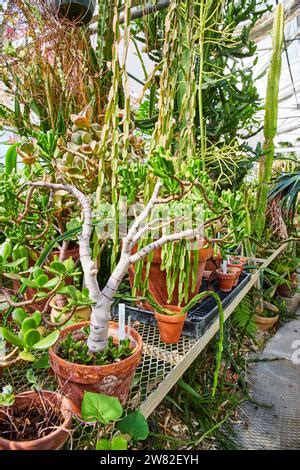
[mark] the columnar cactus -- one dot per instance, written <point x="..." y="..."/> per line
<point x="270" y="125"/>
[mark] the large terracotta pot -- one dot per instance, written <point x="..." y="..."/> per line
<point x="112" y="379"/>
<point x="157" y="278"/>
<point x="213" y="263"/>
<point x="265" y="323"/>
<point x="170" y="326"/>
<point x="56" y="438"/>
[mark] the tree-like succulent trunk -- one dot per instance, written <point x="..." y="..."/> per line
<point x="97" y="339"/>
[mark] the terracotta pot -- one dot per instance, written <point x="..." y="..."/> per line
<point x="112" y="379"/>
<point x="170" y="326"/>
<point x="81" y="313"/>
<point x="239" y="265"/>
<point x="285" y="290"/>
<point x="226" y="280"/>
<point x="157" y="278"/>
<point x="55" y="439"/>
<point x="213" y="263"/>
<point x="265" y="323"/>
<point x="237" y="272"/>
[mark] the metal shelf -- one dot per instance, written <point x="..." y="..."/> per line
<point x="161" y="366"/>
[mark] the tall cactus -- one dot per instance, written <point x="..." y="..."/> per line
<point x="270" y="123"/>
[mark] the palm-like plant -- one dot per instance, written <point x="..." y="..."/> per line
<point x="287" y="187"/>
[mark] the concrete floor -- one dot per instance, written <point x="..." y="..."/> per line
<point x="272" y="419"/>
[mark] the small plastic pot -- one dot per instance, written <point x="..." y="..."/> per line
<point x="226" y="280"/>
<point x="170" y="326"/>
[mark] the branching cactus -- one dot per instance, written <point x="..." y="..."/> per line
<point x="270" y="125"/>
<point x="102" y="299"/>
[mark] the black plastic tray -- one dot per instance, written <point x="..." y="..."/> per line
<point x="201" y="316"/>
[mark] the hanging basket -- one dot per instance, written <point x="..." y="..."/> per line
<point x="81" y="11"/>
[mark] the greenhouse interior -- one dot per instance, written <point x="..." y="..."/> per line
<point x="149" y="228"/>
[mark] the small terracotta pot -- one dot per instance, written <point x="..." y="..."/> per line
<point x="112" y="379"/>
<point x="265" y="323"/>
<point x="170" y="326"/>
<point x="237" y="272"/>
<point x="239" y="265"/>
<point x="226" y="280"/>
<point x="55" y="439"/>
<point x="81" y="313"/>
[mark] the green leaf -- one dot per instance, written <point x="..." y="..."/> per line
<point x="26" y="356"/>
<point x="30" y="376"/>
<point x="37" y="317"/>
<point x="19" y="315"/>
<point x="134" y="424"/>
<point x="58" y="267"/>
<point x="69" y="265"/>
<point x="51" y="283"/>
<point x="11" y="337"/>
<point x="118" y="443"/>
<point x="72" y="292"/>
<point x="102" y="444"/>
<point x="48" y="341"/>
<point x="31" y="337"/>
<point x="29" y="282"/>
<point x="28" y="324"/>
<point x="37" y="272"/>
<point x="14" y="264"/>
<point x="100" y="407"/>
<point x="43" y="362"/>
<point x="11" y="159"/>
<point x="42" y="280"/>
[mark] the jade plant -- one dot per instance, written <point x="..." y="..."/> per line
<point x="107" y="410"/>
<point x="29" y="339"/>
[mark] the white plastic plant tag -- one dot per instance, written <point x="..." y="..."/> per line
<point x="122" y="334"/>
<point x="224" y="266"/>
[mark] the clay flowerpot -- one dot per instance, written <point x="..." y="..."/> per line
<point x="235" y="264"/>
<point x="265" y="323"/>
<point x="285" y="290"/>
<point x="112" y="379"/>
<point x="226" y="280"/>
<point x="157" y="278"/>
<point x="237" y="272"/>
<point x="170" y="326"/>
<point x="82" y="313"/>
<point x="56" y="437"/>
<point x="213" y="263"/>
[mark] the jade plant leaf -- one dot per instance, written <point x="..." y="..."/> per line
<point x="42" y="280"/>
<point x="28" y="282"/>
<point x="27" y="356"/>
<point x="28" y="324"/>
<point x="19" y="315"/>
<point x="51" y="283"/>
<point x="11" y="337"/>
<point x="134" y="424"/>
<point x="58" y="267"/>
<point x="100" y="407"/>
<point x="37" y="317"/>
<point x="48" y="341"/>
<point x="31" y="337"/>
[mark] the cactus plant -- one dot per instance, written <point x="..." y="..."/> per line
<point x="270" y="124"/>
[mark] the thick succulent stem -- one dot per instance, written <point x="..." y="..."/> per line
<point x="270" y="125"/>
